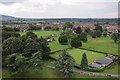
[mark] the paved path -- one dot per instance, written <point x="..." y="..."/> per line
<point x="90" y="73"/>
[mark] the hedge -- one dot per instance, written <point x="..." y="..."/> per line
<point x="95" y="69"/>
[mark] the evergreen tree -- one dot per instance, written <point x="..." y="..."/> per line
<point x="84" y="62"/>
<point x="65" y="64"/>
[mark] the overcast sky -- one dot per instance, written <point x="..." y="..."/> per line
<point x="60" y="8"/>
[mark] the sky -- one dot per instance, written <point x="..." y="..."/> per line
<point x="60" y="8"/>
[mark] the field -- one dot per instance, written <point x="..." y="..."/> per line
<point x="77" y="55"/>
<point x="103" y="44"/>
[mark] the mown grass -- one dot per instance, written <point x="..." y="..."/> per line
<point x="77" y="55"/>
<point x="43" y="33"/>
<point x="103" y="44"/>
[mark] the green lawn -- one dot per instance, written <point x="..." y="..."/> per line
<point x="55" y="45"/>
<point x="77" y="55"/>
<point x="103" y="44"/>
<point x="43" y="33"/>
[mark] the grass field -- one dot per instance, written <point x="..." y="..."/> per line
<point x="55" y="45"/>
<point x="77" y="55"/>
<point x="43" y="33"/>
<point x="103" y="44"/>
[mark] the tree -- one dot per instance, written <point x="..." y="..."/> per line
<point x="16" y="29"/>
<point x="31" y="46"/>
<point x="43" y="48"/>
<point x="84" y="62"/>
<point x="31" y="35"/>
<point x="55" y="28"/>
<point x="16" y="63"/>
<point x="75" y="42"/>
<point x="99" y="28"/>
<point x="65" y="64"/>
<point x="8" y="29"/>
<point x="36" y="60"/>
<point x="69" y="32"/>
<point x="12" y="45"/>
<point x="68" y="25"/>
<point x="8" y="34"/>
<point x="78" y="30"/>
<point x="63" y="39"/>
<point x="115" y="36"/>
<point x="93" y="34"/>
<point x="48" y="28"/>
<point x="105" y="33"/>
<point x="83" y="36"/>
<point x="87" y="30"/>
<point x="98" y="33"/>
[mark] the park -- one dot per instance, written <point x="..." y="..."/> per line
<point x="94" y="48"/>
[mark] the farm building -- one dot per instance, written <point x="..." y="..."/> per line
<point x="104" y="61"/>
<point x="95" y="65"/>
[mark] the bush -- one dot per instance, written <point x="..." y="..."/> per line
<point x="95" y="69"/>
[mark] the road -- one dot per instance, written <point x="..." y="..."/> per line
<point x="90" y="73"/>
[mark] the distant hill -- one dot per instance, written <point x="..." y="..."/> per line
<point x="11" y="18"/>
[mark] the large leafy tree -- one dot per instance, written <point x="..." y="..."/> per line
<point x="87" y="29"/>
<point x="78" y="30"/>
<point x="76" y="42"/>
<point x="115" y="36"/>
<point x="94" y="34"/>
<point x="8" y="34"/>
<point x="84" y="62"/>
<point x="12" y="45"/>
<point x="63" y="39"/>
<point x="16" y="63"/>
<point x="36" y="60"/>
<point x="31" y="46"/>
<point x="65" y="64"/>
<point x="44" y="48"/>
<point x="69" y="32"/>
<point x="99" y="28"/>
<point x="98" y="33"/>
<point x="31" y="35"/>
<point x="83" y="36"/>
